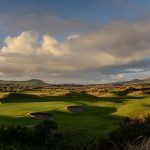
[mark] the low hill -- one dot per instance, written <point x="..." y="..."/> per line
<point x="33" y="82"/>
<point x="136" y="81"/>
<point x="37" y="82"/>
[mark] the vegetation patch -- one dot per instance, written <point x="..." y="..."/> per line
<point x="132" y="134"/>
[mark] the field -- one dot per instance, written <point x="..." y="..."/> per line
<point x="100" y="116"/>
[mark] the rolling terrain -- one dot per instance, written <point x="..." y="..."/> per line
<point x="105" y="106"/>
<point x="100" y="116"/>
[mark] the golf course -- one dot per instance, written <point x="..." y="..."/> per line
<point x="100" y="115"/>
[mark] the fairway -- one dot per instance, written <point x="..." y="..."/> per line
<point x="100" y="115"/>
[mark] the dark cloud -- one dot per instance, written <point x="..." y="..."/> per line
<point x="46" y="24"/>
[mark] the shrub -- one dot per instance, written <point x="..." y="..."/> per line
<point x="42" y="136"/>
<point x="132" y="131"/>
<point x="45" y="135"/>
<point x="144" y="145"/>
<point x="133" y="134"/>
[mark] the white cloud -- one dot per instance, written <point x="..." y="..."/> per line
<point x="121" y="75"/>
<point x="112" y="45"/>
<point x="136" y="70"/>
<point x="73" y="36"/>
<point x="25" y="43"/>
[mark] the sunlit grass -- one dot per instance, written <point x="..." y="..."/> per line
<point x="101" y="115"/>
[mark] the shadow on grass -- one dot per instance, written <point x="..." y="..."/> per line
<point x="78" y="128"/>
<point x="13" y="121"/>
<point x="69" y="97"/>
<point x="93" y="122"/>
<point x="92" y="116"/>
<point x="146" y="105"/>
<point x="96" y="121"/>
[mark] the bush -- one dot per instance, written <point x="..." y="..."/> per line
<point x="132" y="131"/>
<point x="43" y="136"/>
<point x="144" y="145"/>
<point x="15" y="138"/>
<point x="133" y="134"/>
<point x="120" y="93"/>
<point x="46" y="136"/>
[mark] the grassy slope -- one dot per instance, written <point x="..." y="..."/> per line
<point x="101" y="115"/>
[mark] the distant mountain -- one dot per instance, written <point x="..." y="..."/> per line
<point x="37" y="82"/>
<point x="32" y="82"/>
<point x="136" y="81"/>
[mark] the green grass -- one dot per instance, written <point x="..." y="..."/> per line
<point x="101" y="115"/>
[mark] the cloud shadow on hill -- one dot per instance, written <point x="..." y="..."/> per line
<point x="75" y="97"/>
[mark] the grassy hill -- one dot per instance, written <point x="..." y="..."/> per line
<point x="33" y="82"/>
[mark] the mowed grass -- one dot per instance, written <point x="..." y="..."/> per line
<point x="101" y="115"/>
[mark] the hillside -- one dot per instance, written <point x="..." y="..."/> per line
<point x="136" y="81"/>
<point x="33" y="82"/>
<point x="37" y="82"/>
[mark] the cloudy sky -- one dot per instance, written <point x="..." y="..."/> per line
<point x="74" y="41"/>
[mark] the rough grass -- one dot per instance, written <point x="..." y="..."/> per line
<point x="3" y="94"/>
<point x="101" y="115"/>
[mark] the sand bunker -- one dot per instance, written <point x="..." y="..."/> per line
<point x="41" y="115"/>
<point x="75" y="108"/>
